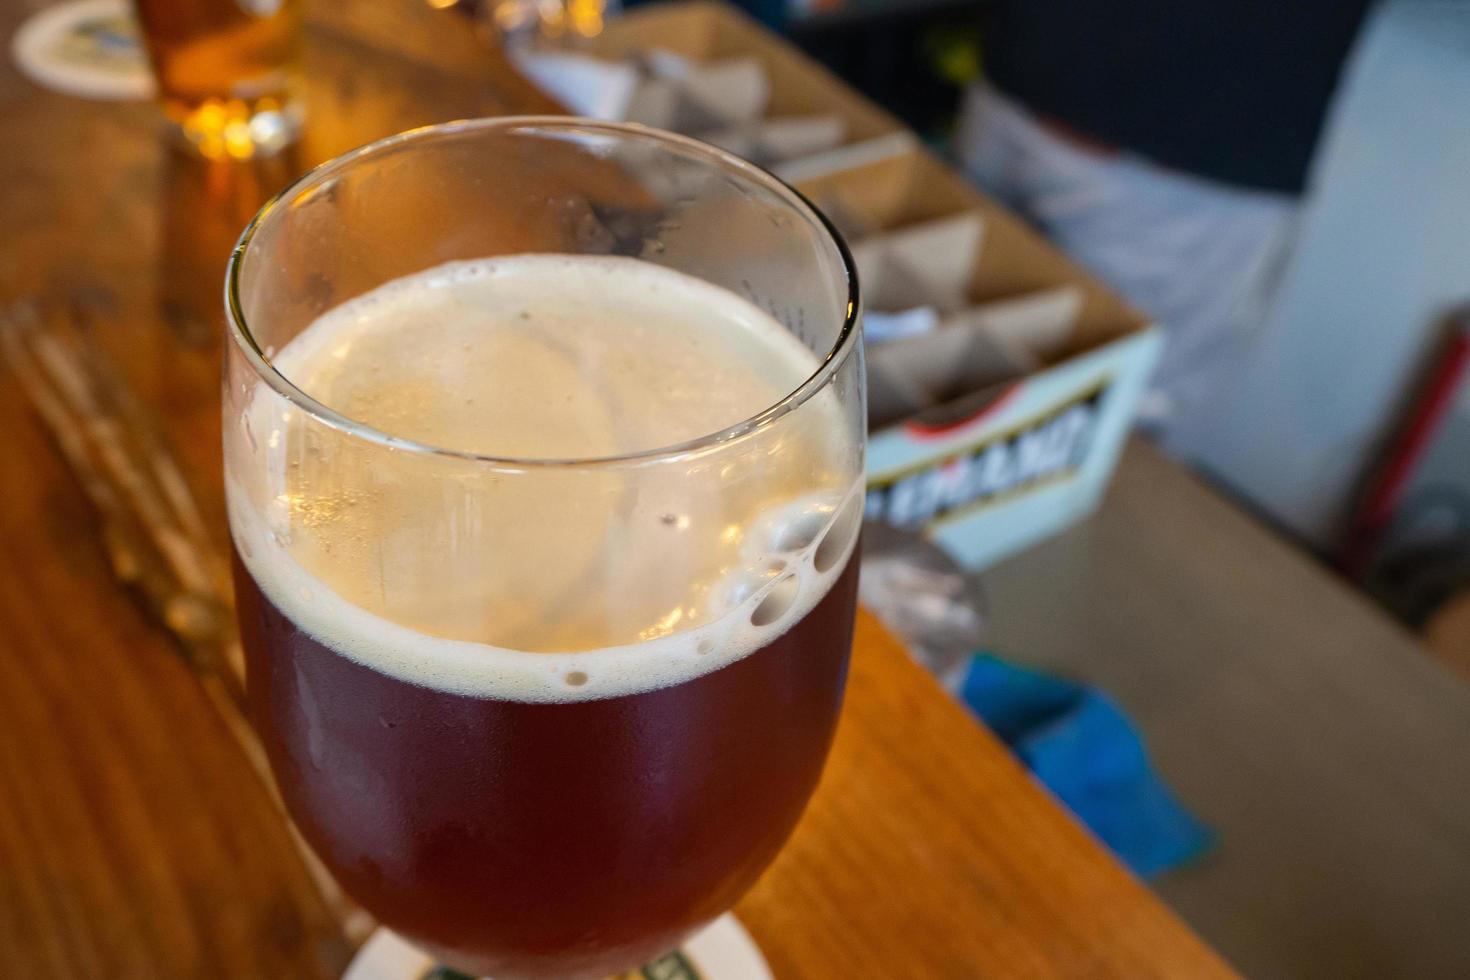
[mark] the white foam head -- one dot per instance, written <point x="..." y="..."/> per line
<point x="545" y="583"/>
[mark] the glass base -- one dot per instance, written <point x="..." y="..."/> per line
<point x="236" y="129"/>
<point x="723" y="950"/>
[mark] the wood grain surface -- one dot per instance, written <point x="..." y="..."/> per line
<point x="134" y="841"/>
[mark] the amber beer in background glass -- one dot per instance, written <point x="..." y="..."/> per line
<point x="227" y="71"/>
<point x="543" y="456"/>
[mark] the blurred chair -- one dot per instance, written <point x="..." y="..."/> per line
<point x="1383" y="252"/>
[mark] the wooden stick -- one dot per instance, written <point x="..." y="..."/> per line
<point x="139" y="421"/>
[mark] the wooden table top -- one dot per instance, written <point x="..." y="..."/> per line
<point x="134" y="839"/>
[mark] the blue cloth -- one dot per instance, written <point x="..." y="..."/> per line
<point x="1084" y="749"/>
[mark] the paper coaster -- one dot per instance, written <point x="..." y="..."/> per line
<point x="723" y="951"/>
<point x="87" y="48"/>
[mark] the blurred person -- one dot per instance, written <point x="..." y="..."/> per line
<point x="1165" y="147"/>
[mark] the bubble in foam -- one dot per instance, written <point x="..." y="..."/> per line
<point x="745" y="584"/>
<point x="792" y="527"/>
<point x="777" y="602"/>
<point x="799" y="532"/>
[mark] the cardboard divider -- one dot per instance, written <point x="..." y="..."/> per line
<point x="914" y="187"/>
<point x="707" y="31"/>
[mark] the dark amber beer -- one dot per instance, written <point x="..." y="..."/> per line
<point x="546" y="579"/>
<point x="512" y="826"/>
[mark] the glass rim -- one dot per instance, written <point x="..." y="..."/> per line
<point x="266" y="371"/>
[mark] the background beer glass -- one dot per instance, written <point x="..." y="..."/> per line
<point x="227" y="71"/>
<point x="545" y="551"/>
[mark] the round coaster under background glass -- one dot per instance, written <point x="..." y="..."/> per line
<point x="723" y="951"/>
<point x="88" y="48"/>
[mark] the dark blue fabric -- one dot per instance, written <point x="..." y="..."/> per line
<point x="1235" y="91"/>
<point x="1084" y="749"/>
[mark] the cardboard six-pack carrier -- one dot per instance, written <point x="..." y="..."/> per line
<point x="1001" y="398"/>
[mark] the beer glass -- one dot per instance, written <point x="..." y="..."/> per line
<point x="544" y="465"/>
<point x="227" y="71"/>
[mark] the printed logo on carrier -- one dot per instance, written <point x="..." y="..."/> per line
<point x="1045" y="449"/>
